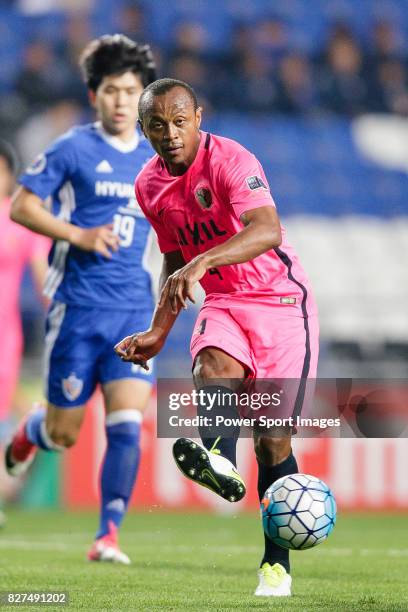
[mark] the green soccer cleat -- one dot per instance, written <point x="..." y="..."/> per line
<point x="209" y="469"/>
<point x="274" y="581"/>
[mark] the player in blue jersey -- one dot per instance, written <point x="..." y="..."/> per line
<point x="97" y="278"/>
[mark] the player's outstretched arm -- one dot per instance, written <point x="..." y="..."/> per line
<point x="261" y="233"/>
<point x="140" y="347"/>
<point x="28" y="209"/>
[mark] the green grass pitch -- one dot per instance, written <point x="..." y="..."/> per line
<point x="200" y="562"/>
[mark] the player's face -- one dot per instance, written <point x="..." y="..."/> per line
<point x="6" y="179"/>
<point x="116" y="101"/>
<point x="172" y="126"/>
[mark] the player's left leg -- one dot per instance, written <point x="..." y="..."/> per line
<point x="126" y="389"/>
<point x="125" y="402"/>
<point x="221" y="362"/>
<point x="213" y="465"/>
<point x="291" y="358"/>
<point x="275" y="459"/>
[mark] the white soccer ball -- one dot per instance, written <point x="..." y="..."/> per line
<point x="298" y="511"/>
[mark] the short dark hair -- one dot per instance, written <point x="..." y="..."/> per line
<point x="116" y="54"/>
<point x="160" y="87"/>
<point x="9" y="155"/>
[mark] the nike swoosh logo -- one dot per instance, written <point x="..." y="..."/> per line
<point x="207" y="473"/>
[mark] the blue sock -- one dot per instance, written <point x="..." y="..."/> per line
<point x="36" y="431"/>
<point x="120" y="467"/>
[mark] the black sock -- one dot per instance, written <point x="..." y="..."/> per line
<point x="267" y="476"/>
<point x="225" y="437"/>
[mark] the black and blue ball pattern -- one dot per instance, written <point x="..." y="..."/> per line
<point x="298" y="511"/>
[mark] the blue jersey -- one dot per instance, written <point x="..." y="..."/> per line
<point x="89" y="177"/>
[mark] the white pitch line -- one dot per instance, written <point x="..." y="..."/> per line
<point x="26" y="545"/>
<point x="10" y="543"/>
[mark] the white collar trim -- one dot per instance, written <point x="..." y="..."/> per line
<point x="117" y="143"/>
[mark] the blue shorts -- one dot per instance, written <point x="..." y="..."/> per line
<point x="79" y="351"/>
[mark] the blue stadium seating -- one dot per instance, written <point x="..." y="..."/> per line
<point x="12" y="37"/>
<point x="307" y="23"/>
<point x="314" y="167"/>
<point x="307" y="27"/>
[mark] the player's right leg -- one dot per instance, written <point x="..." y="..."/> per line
<point x="221" y="361"/>
<point x="51" y="429"/>
<point x="69" y="382"/>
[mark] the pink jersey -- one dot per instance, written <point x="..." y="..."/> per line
<point x="18" y="246"/>
<point x="202" y="208"/>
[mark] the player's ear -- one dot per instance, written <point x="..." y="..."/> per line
<point x="92" y="98"/>
<point x="198" y="116"/>
<point x="141" y="127"/>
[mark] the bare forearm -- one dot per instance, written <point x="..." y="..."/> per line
<point x="251" y="242"/>
<point x="39" y="269"/>
<point x="27" y="210"/>
<point x="164" y="275"/>
<point x="163" y="317"/>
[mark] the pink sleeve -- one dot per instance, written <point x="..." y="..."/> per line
<point x="166" y="240"/>
<point x="38" y="246"/>
<point x="246" y="184"/>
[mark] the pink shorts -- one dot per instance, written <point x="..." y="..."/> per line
<point x="273" y="341"/>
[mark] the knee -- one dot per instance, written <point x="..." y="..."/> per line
<point x="272" y="450"/>
<point x="210" y="365"/>
<point x="205" y="369"/>
<point x="62" y="437"/>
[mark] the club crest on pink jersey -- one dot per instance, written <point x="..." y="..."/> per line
<point x="72" y="387"/>
<point x="204" y="197"/>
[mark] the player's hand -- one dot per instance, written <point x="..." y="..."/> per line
<point x="139" y="348"/>
<point x="99" y="239"/>
<point x="179" y="286"/>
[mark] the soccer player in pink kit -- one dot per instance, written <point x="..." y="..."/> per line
<point x="18" y="247"/>
<point x="209" y="202"/>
